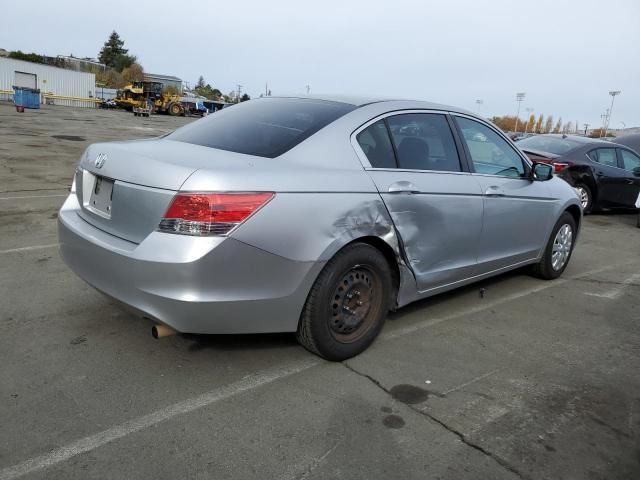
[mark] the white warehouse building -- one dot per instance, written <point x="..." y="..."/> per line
<point x="57" y="85"/>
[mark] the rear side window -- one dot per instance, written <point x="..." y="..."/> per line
<point x="267" y="127"/>
<point x="604" y="156"/>
<point x="424" y="141"/>
<point x="376" y="145"/>
<point x="630" y="161"/>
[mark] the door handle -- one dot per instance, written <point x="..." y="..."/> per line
<point x="599" y="173"/>
<point x="494" y="191"/>
<point x="630" y="182"/>
<point x="402" y="187"/>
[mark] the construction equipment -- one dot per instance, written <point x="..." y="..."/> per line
<point x="145" y="94"/>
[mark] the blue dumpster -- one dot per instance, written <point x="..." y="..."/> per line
<point x="26" y="97"/>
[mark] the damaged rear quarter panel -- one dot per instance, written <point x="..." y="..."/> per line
<point x="313" y="227"/>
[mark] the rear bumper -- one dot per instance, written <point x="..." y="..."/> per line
<point x="192" y="284"/>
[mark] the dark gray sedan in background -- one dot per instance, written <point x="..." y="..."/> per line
<point x="314" y="216"/>
<point x="605" y="174"/>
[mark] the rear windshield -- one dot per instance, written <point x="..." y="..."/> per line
<point x="556" y="145"/>
<point x="266" y="127"/>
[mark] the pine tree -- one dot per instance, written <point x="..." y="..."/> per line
<point x="114" y="55"/>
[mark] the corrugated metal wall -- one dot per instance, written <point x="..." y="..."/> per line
<point x="58" y="81"/>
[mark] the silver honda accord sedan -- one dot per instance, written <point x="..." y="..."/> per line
<point x="309" y="215"/>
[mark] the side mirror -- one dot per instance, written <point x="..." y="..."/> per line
<point x="542" y="172"/>
<point x="636" y="171"/>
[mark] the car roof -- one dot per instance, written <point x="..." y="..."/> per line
<point x="631" y="140"/>
<point x="360" y="101"/>
<point x="575" y="138"/>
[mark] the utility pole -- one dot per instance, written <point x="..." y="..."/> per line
<point x="519" y="99"/>
<point x="586" y="126"/>
<point x="613" y="94"/>
<point x="604" y="121"/>
<point x="479" y="102"/>
<point x="266" y="89"/>
<point x="238" y="94"/>
<point x="308" y="89"/>
<point x="529" y="110"/>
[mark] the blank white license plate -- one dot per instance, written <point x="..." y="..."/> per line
<point x="100" y="200"/>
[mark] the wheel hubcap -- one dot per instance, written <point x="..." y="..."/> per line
<point x="352" y="304"/>
<point x="584" y="197"/>
<point x="561" y="247"/>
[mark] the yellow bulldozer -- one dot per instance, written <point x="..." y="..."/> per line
<point x="148" y="94"/>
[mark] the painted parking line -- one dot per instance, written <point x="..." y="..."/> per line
<point x="614" y="293"/>
<point x="26" y="197"/>
<point x="484" y="306"/>
<point x="99" y="439"/>
<point x="26" y="249"/>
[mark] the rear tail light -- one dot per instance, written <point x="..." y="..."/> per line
<point x="559" y="166"/>
<point x="211" y="213"/>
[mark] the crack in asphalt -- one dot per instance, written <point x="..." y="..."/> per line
<point x="463" y="438"/>
<point x="62" y="187"/>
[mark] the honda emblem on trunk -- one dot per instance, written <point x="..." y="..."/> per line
<point x="100" y="159"/>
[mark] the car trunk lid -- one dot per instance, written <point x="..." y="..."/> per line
<point x="124" y="188"/>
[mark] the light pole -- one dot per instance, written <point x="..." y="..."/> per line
<point x="479" y="102"/>
<point x="519" y="99"/>
<point x="613" y="94"/>
<point x="529" y="110"/>
<point x="604" y="118"/>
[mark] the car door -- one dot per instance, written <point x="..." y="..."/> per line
<point x="630" y="190"/>
<point x="518" y="213"/>
<point x="609" y="177"/>
<point x="435" y="204"/>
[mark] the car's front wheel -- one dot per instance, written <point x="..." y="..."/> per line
<point x="348" y="303"/>
<point x="558" y="249"/>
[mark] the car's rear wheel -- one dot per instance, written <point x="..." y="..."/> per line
<point x="348" y="303"/>
<point x="586" y="197"/>
<point x="558" y="250"/>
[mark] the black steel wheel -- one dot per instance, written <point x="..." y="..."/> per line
<point x="348" y="303"/>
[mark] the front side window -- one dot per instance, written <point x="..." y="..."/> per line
<point x="604" y="156"/>
<point x="376" y="145"/>
<point x="490" y="153"/>
<point x="423" y="141"/>
<point x="267" y="127"/>
<point x="630" y="161"/>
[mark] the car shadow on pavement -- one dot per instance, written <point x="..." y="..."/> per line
<point x="262" y="341"/>
<point x="613" y="217"/>
<point x="483" y="288"/>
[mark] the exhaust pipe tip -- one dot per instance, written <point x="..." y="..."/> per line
<point x="159" y="331"/>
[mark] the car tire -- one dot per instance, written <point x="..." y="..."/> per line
<point x="348" y="303"/>
<point x="586" y="197"/>
<point x="557" y="252"/>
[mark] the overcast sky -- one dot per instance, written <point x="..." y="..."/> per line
<point x="566" y="55"/>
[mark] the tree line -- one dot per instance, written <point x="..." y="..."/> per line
<point x="204" y="89"/>
<point x="541" y="124"/>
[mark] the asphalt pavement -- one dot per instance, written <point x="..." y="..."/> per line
<point x="511" y="378"/>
